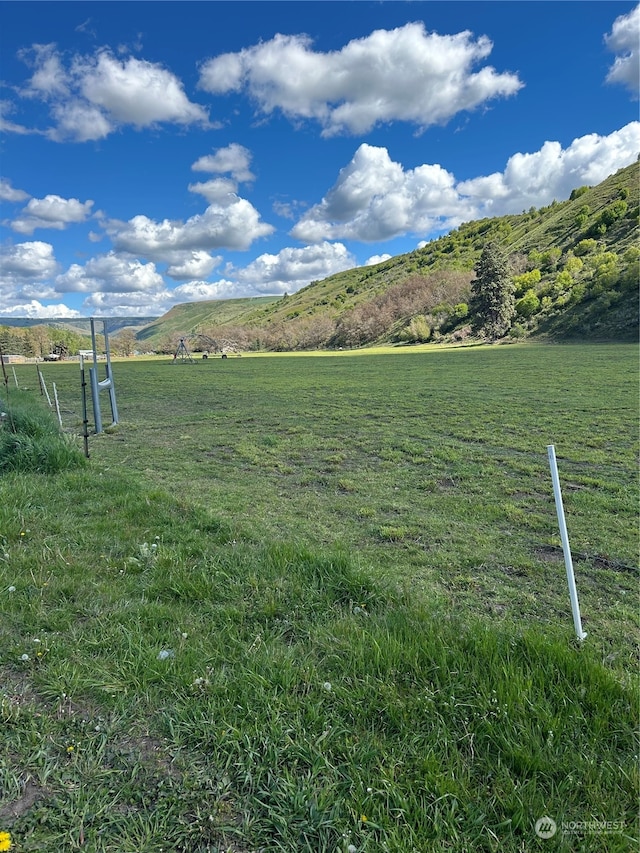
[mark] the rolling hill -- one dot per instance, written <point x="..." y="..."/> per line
<point x="575" y="263"/>
<point x="79" y="325"/>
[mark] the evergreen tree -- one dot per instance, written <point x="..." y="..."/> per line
<point x="492" y="304"/>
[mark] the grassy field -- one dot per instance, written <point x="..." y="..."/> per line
<point x="303" y="603"/>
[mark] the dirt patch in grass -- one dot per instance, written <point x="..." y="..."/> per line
<point x="31" y="794"/>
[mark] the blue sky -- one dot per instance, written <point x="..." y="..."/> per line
<point x="154" y="153"/>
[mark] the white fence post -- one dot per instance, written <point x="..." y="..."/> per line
<point x="571" y="580"/>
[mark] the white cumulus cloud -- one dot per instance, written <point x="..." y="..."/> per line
<point x="406" y="74"/>
<point x="37" y="311"/>
<point x="49" y="78"/>
<point x="26" y="270"/>
<point x="376" y="259"/>
<point x="92" y="95"/>
<point x="52" y="211"/>
<point x="292" y="269"/>
<point x="624" y="40"/>
<point x="234" y="159"/>
<point x="215" y="190"/>
<point x="134" y="91"/>
<point x="230" y="222"/>
<point x="202" y="291"/>
<point x="27" y="262"/>
<point x="111" y="273"/>
<point x="375" y="198"/>
<point x="192" y="265"/>
<point x="79" y="121"/>
<point x="129" y="304"/>
<point x="551" y="173"/>
<point x="9" y="193"/>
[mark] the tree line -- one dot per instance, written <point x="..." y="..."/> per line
<point x="38" y="341"/>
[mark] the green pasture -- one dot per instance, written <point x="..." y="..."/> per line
<point x="319" y="604"/>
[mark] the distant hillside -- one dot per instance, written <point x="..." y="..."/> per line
<point x="80" y="325"/>
<point x="192" y="317"/>
<point x="574" y="264"/>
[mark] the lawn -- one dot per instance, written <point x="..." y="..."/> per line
<point x="304" y="603"/>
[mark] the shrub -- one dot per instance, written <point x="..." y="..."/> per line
<point x="528" y="305"/>
<point x="460" y="311"/>
<point x="526" y="281"/>
<point x="418" y="330"/>
<point x="563" y="281"/>
<point x="572" y="264"/>
<point x="578" y="192"/>
<point x="517" y="331"/>
<point x="550" y="258"/>
<point x="576" y="294"/>
<point x="583" y="216"/>
<point x="608" y="216"/>
<point x="585" y="247"/>
<point x="606" y="271"/>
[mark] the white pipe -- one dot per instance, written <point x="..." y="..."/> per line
<point x="44" y="387"/>
<point x="571" y="580"/>
<point x="15" y="378"/>
<point x="55" y="397"/>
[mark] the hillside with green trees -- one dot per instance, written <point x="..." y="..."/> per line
<point x="572" y="268"/>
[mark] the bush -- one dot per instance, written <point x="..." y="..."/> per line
<point x="526" y="281"/>
<point x="578" y="192"/>
<point x="517" y="331"/>
<point x="583" y="216"/>
<point x="30" y="440"/>
<point x="564" y="281"/>
<point x="608" y="216"/>
<point x="584" y="247"/>
<point x="460" y="311"/>
<point x="550" y="258"/>
<point x="572" y="264"/>
<point x="418" y="330"/>
<point x="528" y="305"/>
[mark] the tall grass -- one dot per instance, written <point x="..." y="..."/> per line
<point x="30" y="439"/>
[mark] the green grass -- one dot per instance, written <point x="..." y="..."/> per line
<point x="307" y="603"/>
<point x="30" y="439"/>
